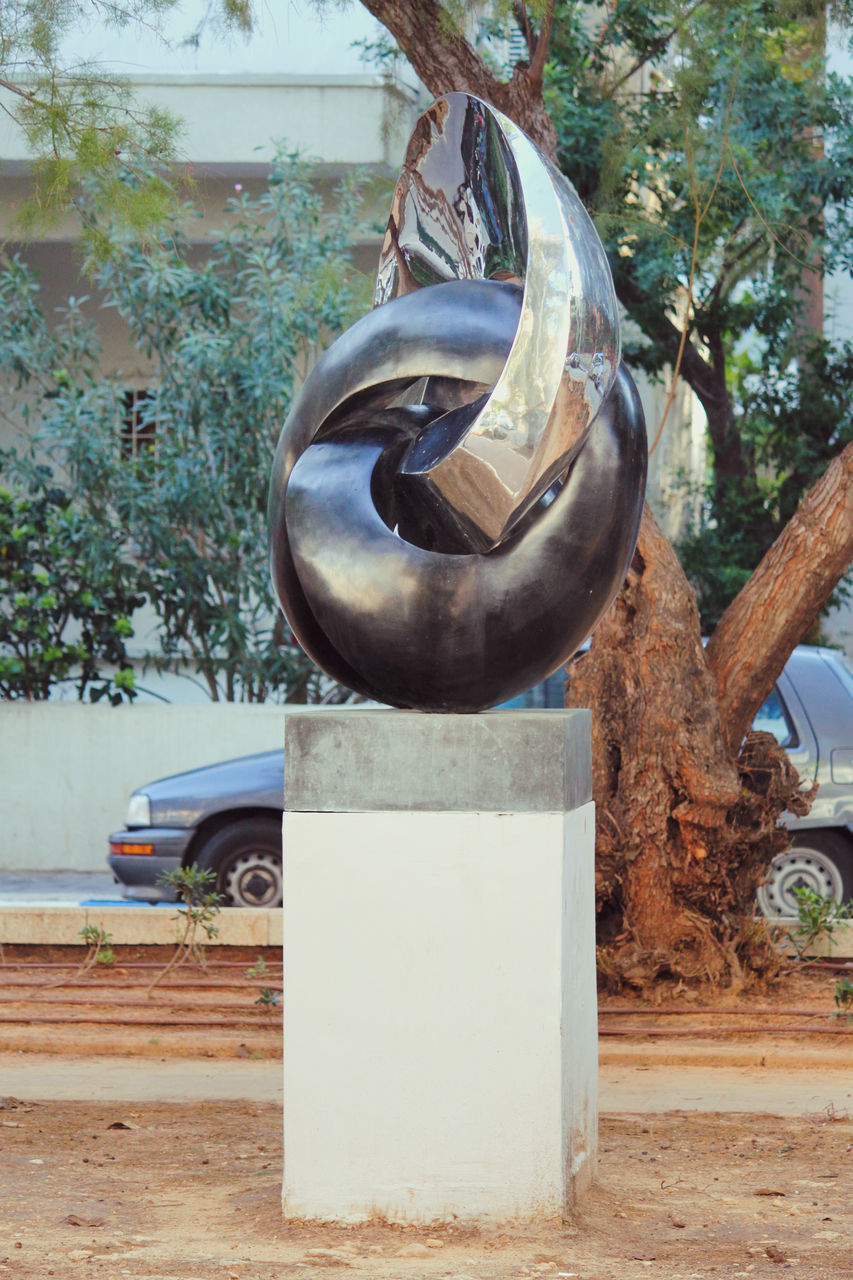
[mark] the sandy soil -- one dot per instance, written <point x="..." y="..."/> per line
<point x="191" y="1192"/>
<point x="47" y="1006"/>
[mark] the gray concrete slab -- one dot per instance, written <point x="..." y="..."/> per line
<point x="36" y="1077"/>
<point x="348" y="760"/>
<point x="58" y="889"/>
<point x="751" y="1090"/>
<point x="623" y="1089"/>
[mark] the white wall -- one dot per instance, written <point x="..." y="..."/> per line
<point x="237" y="120"/>
<point x="299" y="75"/>
<point x="439" y="1014"/>
<point x="68" y="769"/>
<point x="304" y="37"/>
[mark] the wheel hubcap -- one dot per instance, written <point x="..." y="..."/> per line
<point x="798" y="869"/>
<point x="254" y="880"/>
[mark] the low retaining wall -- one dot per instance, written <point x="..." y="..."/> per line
<point x="835" y="946"/>
<point x="135" y="926"/>
<point x="68" y="769"/>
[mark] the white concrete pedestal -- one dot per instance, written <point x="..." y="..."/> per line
<point x="440" y="1053"/>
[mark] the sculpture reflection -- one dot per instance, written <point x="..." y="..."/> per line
<point x="457" y="491"/>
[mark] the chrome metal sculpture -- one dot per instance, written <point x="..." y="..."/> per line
<point x="457" y="491"/>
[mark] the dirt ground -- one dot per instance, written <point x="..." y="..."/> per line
<point x="47" y="1006"/>
<point x="192" y="1192"/>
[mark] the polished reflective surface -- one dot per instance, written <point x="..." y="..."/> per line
<point x="477" y="200"/>
<point x="457" y="491"/>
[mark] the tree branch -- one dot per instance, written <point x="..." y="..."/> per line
<point x="656" y="47"/>
<point x="537" y="62"/>
<point x="696" y="371"/>
<point x="445" y="62"/>
<point x="522" y="18"/>
<point x="782" y="598"/>
<point x="26" y="94"/>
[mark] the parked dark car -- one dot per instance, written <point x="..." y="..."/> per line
<point x="227" y="817"/>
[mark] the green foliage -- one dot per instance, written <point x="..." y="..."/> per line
<point x="99" y="950"/>
<point x="817" y="917"/>
<point x="67" y="595"/>
<point x="793" y="422"/>
<point x="228" y="336"/>
<point x="257" y="970"/>
<point x="78" y="122"/>
<point x="196" y="917"/>
<point x="714" y="152"/>
<point x="844" y="996"/>
<point x="269" y="998"/>
<point x="194" y="886"/>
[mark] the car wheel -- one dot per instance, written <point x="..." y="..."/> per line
<point x="817" y="860"/>
<point x="246" y="857"/>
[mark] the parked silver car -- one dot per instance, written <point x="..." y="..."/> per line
<point x="227" y="817"/>
<point x="810" y="712"/>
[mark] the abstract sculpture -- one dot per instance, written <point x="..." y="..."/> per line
<point x="457" y="491"/>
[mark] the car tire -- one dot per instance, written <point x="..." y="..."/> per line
<point x="246" y="857"/>
<point x="820" y="860"/>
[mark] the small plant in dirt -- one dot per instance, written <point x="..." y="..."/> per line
<point x="817" y="917"/>
<point x="844" y="997"/>
<point x="269" y="998"/>
<point x="98" y="940"/>
<point x="259" y="969"/>
<point x="197" y="915"/>
<point x="98" y="951"/>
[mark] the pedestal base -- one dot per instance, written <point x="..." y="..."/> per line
<point x="440" y="1050"/>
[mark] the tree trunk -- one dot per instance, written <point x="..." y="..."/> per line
<point x="687" y="808"/>
<point x="445" y="61"/>
<point x="716" y="400"/>
<point x="684" y="829"/>
<point x="781" y="600"/>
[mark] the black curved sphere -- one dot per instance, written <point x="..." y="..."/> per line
<point x="380" y="588"/>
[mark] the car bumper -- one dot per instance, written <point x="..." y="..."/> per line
<point x="159" y="849"/>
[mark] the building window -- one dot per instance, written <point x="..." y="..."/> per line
<point x="516" y="47"/>
<point x="138" y="430"/>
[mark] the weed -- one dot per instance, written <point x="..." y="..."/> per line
<point x="98" y="952"/>
<point x="816" y="917"/>
<point x="269" y="998"/>
<point x="197" y="915"/>
<point x="259" y="969"/>
<point x="844" y="996"/>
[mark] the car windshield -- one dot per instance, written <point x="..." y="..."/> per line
<point x="772" y="717"/>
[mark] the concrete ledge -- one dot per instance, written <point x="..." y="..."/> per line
<point x="838" y="946"/>
<point x="364" y="761"/>
<point x="133" y="926"/>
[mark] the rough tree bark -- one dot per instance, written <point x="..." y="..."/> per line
<point x="446" y="62"/>
<point x="684" y="827"/>
<point x="781" y="600"/>
<point x="687" y="808"/>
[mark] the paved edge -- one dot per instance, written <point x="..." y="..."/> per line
<point x="624" y="1090"/>
<point x="40" y="925"/>
<point x="764" y="1053"/>
<point x="134" y="926"/>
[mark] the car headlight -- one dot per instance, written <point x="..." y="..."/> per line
<point x="138" y="810"/>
